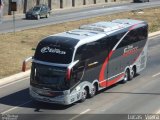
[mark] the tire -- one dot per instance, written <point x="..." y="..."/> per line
<point x="126" y="76"/>
<point x="133" y="73"/>
<point x="47" y="16"/>
<point x="84" y="95"/>
<point x="93" y="91"/>
<point x="38" y="17"/>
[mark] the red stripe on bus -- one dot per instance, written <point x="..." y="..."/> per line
<point x="132" y="27"/>
<point x="102" y="71"/>
<point x="111" y="82"/>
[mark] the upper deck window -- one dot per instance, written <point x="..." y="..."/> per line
<point x="55" y="50"/>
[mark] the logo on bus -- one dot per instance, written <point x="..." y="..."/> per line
<point x="52" y="50"/>
<point x="130" y="50"/>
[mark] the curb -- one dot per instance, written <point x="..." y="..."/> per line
<point x="14" y="78"/>
<point x="21" y="75"/>
<point x="154" y="34"/>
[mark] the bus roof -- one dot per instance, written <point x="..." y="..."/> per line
<point x="95" y="31"/>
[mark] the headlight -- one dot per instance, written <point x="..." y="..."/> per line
<point x="66" y="92"/>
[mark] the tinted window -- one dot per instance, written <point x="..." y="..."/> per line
<point x="43" y="8"/>
<point x="79" y="52"/>
<point x="36" y="8"/>
<point x="50" y="76"/>
<point x="55" y="49"/>
<point x="98" y="47"/>
<point x="109" y="42"/>
<point x="134" y="36"/>
<point x="88" y="50"/>
<point x="54" y="54"/>
<point x="114" y="39"/>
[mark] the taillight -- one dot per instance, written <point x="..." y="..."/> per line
<point x="68" y="74"/>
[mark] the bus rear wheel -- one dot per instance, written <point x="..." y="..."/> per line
<point x="84" y="95"/>
<point x="133" y="73"/>
<point x="126" y="76"/>
<point x="93" y="91"/>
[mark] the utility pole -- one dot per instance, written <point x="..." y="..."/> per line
<point x="50" y="4"/>
<point x="25" y="6"/>
<point x="13" y="9"/>
<point x="1" y="10"/>
<point x="38" y="2"/>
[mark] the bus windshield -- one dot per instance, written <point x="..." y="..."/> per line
<point x="49" y="76"/>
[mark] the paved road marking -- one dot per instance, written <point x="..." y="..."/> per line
<point x="156" y="75"/>
<point x="15" y="107"/>
<point x="13" y="83"/>
<point x="80" y="114"/>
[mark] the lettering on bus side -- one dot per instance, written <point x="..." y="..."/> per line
<point x="130" y="50"/>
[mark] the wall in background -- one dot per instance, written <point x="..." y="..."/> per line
<point x="24" y="5"/>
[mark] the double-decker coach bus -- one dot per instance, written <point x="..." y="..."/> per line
<point x="71" y="66"/>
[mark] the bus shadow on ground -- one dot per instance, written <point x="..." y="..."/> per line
<point x="22" y="99"/>
<point x="129" y="93"/>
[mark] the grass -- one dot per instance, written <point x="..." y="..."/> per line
<point x="15" y="48"/>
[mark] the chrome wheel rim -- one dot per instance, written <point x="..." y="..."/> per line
<point x="93" y="90"/>
<point x="38" y="17"/>
<point x="84" y="94"/>
<point x="132" y="73"/>
<point x="126" y="76"/>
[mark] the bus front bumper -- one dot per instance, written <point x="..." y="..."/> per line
<point x="62" y="99"/>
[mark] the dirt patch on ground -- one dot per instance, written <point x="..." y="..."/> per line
<point x="15" y="48"/>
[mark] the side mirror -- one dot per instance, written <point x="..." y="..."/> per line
<point x="24" y="65"/>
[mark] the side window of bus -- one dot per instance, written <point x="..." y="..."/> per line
<point x="87" y="51"/>
<point x="115" y="39"/>
<point x="92" y="49"/>
<point x="79" y="52"/>
<point x="130" y="38"/>
<point x="142" y="33"/>
<point x="125" y="40"/>
<point x="134" y="36"/>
